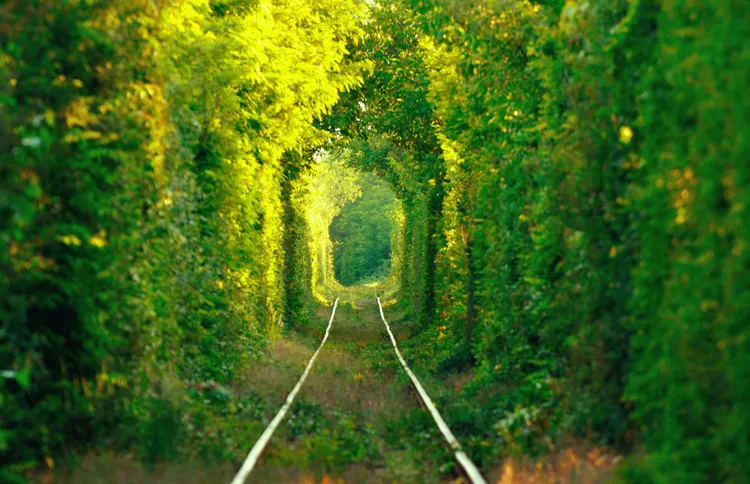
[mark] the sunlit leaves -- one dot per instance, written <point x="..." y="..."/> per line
<point x="146" y="209"/>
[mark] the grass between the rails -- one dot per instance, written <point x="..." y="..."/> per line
<point x="356" y="419"/>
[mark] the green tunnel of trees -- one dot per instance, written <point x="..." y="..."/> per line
<point x="362" y="233"/>
<point x="569" y="184"/>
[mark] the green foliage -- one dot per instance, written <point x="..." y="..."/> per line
<point x="74" y="136"/>
<point x="389" y="122"/>
<point x="582" y="221"/>
<point x="361" y="234"/>
<point x="328" y="450"/>
<point x="332" y="187"/>
<point x="691" y="293"/>
<point x="143" y="221"/>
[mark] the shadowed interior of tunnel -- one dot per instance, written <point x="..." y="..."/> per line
<point x="363" y="234"/>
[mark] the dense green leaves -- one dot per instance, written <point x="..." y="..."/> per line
<point x="361" y="234"/>
<point x="144" y="226"/>
<point x="691" y="287"/>
<point x="585" y="210"/>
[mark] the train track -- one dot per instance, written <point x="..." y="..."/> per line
<point x="470" y="470"/>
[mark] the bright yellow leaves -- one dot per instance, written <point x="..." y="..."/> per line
<point x="70" y="240"/>
<point x="625" y="134"/>
<point x="99" y="239"/>
<point x="81" y="119"/>
<point x="681" y="215"/>
<point x="682" y="186"/>
<point x="187" y="16"/>
<point x="79" y="113"/>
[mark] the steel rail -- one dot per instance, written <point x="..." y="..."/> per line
<point x="471" y="470"/>
<point x="257" y="450"/>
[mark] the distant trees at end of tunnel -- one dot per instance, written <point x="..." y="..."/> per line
<point x="361" y="234"/>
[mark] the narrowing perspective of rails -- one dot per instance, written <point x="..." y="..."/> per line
<point x="470" y="469"/>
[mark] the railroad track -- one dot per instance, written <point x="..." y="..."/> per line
<point x="469" y="469"/>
